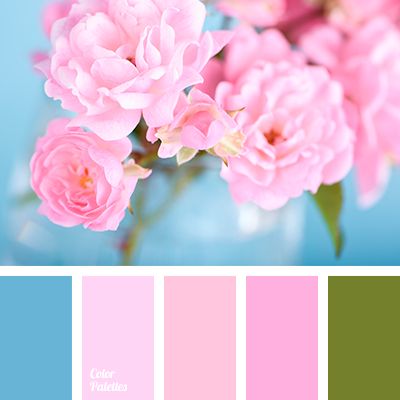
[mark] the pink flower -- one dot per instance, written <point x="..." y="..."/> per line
<point x="260" y="13"/>
<point x="299" y="10"/>
<point x="116" y="60"/>
<point x="368" y="65"/>
<point x="266" y="13"/>
<point x="54" y="12"/>
<point x="351" y="14"/>
<point x="297" y="137"/>
<point x="81" y="179"/>
<point x="199" y="124"/>
<point x="322" y="43"/>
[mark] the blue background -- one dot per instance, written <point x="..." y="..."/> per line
<point x="372" y="236"/>
<point x="35" y="338"/>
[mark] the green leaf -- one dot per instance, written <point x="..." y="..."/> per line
<point x="329" y="200"/>
<point x="26" y="198"/>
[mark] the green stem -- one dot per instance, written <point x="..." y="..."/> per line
<point x="132" y="239"/>
<point x="181" y="182"/>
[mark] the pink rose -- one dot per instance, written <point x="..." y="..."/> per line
<point x="297" y="137"/>
<point x="199" y="124"/>
<point x="368" y="65"/>
<point x="81" y="179"/>
<point x="116" y="60"/>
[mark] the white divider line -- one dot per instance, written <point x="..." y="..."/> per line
<point x="200" y="271"/>
<point x="322" y="337"/>
<point x="159" y="337"/>
<point x="240" y="337"/>
<point x="76" y="337"/>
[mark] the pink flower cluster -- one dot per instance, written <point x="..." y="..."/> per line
<point x="287" y="109"/>
<point x="114" y="62"/>
<point x="366" y="61"/>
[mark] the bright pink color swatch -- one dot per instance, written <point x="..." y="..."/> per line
<point x="282" y="338"/>
<point x="118" y="338"/>
<point x="200" y="338"/>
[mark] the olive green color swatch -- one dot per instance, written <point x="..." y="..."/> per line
<point x="364" y="338"/>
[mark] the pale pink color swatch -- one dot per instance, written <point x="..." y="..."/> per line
<point x="118" y="335"/>
<point x="200" y="338"/>
<point x="282" y="338"/>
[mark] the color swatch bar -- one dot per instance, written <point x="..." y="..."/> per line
<point x="282" y="338"/>
<point x="200" y="338"/>
<point x="118" y="338"/>
<point x="35" y="338"/>
<point x="364" y="338"/>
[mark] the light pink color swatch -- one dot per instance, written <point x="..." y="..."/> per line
<point x="118" y="338"/>
<point x="282" y="338"/>
<point x="200" y="338"/>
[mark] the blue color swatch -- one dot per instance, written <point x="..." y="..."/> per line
<point x="35" y="338"/>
